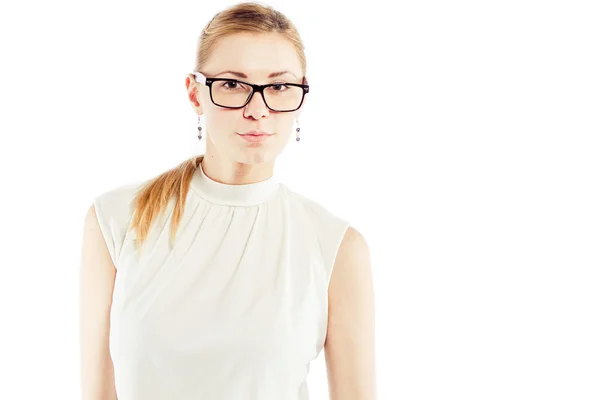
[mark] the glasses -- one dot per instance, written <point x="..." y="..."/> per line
<point x="232" y="93"/>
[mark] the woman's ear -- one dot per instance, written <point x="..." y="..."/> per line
<point x="306" y="95"/>
<point x="193" y="94"/>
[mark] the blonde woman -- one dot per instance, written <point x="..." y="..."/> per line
<point x="214" y="281"/>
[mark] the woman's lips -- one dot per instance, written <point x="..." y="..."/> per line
<point x="254" y="137"/>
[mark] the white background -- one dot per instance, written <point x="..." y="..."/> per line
<point x="461" y="139"/>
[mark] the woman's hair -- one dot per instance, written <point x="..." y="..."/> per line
<point x="154" y="196"/>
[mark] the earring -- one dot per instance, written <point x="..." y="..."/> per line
<point x="199" y="128"/>
<point x="297" y="131"/>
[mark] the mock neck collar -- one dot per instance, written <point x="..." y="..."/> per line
<point x="233" y="195"/>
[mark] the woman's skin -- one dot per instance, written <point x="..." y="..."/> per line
<point x="97" y="279"/>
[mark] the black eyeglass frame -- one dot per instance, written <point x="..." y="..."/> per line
<point x="200" y="78"/>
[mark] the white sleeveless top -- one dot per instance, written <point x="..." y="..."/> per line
<point x="237" y="309"/>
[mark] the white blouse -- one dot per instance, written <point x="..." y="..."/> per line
<point x="237" y="309"/>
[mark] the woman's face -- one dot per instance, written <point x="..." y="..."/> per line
<point x="249" y="58"/>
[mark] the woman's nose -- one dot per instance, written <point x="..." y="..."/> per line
<point x="256" y="106"/>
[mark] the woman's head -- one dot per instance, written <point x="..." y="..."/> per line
<point x="249" y="39"/>
<point x="250" y="43"/>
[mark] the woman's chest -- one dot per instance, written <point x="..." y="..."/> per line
<point x="239" y="297"/>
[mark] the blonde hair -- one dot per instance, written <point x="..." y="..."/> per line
<point x="250" y="17"/>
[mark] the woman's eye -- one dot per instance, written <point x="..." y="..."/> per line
<point x="230" y="84"/>
<point x="278" y="87"/>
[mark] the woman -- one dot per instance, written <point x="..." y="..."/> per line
<point x="214" y="280"/>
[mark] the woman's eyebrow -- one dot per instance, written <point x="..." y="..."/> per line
<point x="242" y="75"/>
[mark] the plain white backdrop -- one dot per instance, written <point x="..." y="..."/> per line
<point x="461" y="138"/>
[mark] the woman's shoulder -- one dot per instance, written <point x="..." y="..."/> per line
<point x="315" y="209"/>
<point x="118" y="197"/>
<point x="322" y="222"/>
<point x="116" y="204"/>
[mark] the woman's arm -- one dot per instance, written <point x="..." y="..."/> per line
<point x="349" y="346"/>
<point x="97" y="277"/>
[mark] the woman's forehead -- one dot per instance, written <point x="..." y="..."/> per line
<point x="254" y="55"/>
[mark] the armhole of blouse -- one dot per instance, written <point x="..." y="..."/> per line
<point x="345" y="225"/>
<point x="106" y="231"/>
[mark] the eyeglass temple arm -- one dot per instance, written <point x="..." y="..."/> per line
<point x="199" y="77"/>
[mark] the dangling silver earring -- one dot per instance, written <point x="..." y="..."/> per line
<point x="199" y="128"/>
<point x="297" y="131"/>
